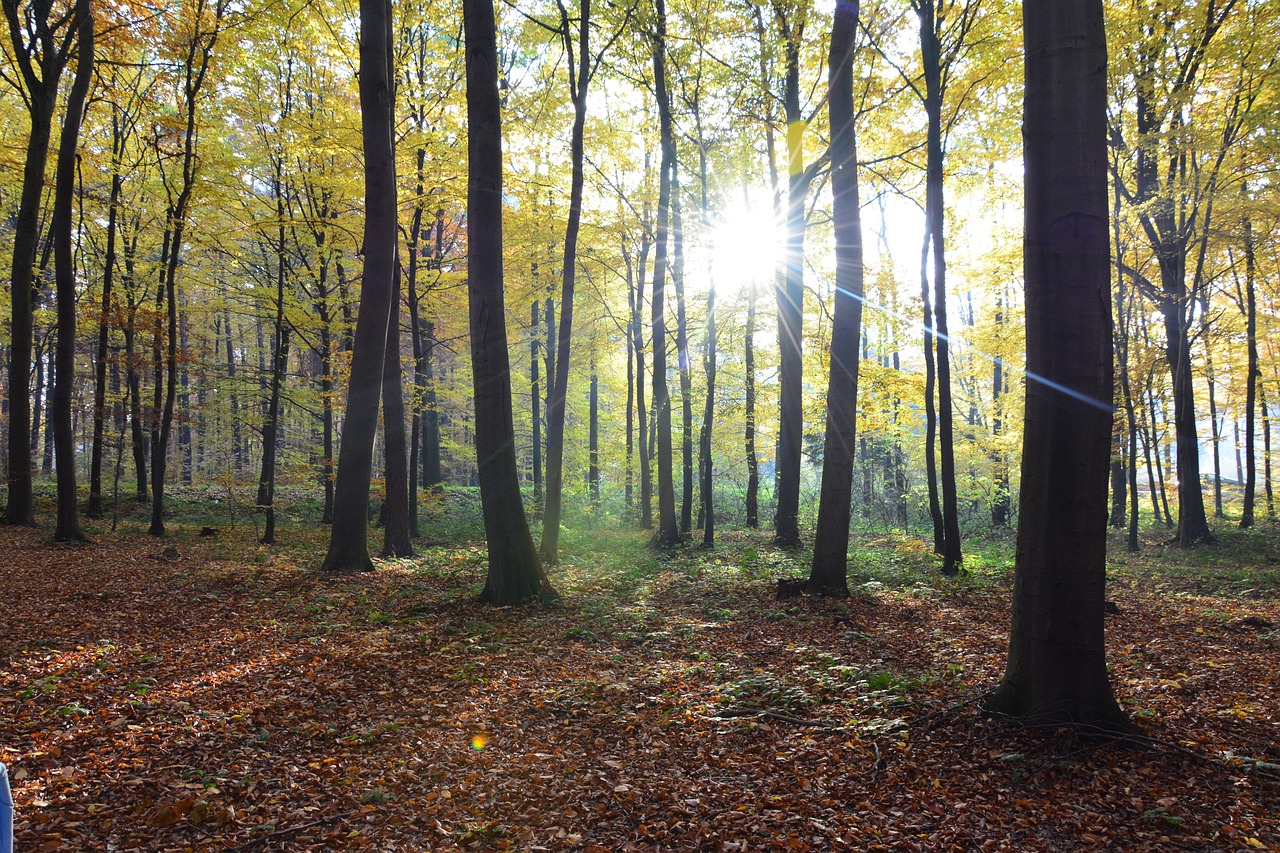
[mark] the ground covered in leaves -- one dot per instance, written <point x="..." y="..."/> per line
<point x="208" y="694"/>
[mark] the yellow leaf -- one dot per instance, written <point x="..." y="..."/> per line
<point x="1253" y="842"/>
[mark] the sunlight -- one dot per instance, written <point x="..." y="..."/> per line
<point x="745" y="247"/>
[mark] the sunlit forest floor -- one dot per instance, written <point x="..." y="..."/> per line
<point x="211" y="694"/>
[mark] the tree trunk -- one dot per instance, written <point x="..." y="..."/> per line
<point x="1254" y="374"/>
<point x="829" y="572"/>
<point x="396" y="541"/>
<point x="642" y="411"/>
<point x="535" y="403"/>
<point x="266" y="498"/>
<point x="593" y="440"/>
<point x="349" y="535"/>
<point x="41" y="97"/>
<point x="579" y="80"/>
<point x="515" y="573"/>
<point x="682" y="354"/>
<point x="68" y="524"/>
<point x="790" y="297"/>
<point x="1057" y="668"/>
<point x="935" y="213"/>
<point x="668" y="530"/>
<point x="749" y="436"/>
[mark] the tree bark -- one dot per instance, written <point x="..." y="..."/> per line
<point x="1057" y="669"/>
<point x="579" y="80"/>
<point x="668" y="529"/>
<point x="828" y="574"/>
<point x="1254" y="374"/>
<point x="515" y="573"/>
<point x="349" y="535"/>
<point x="396" y="539"/>
<point x="68" y="523"/>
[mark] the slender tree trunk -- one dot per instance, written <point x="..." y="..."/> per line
<point x="1000" y="466"/>
<point x="629" y="474"/>
<point x="279" y="359"/>
<point x="1254" y="374"/>
<point x="682" y="354"/>
<point x="1057" y="668"/>
<point x="515" y="573"/>
<point x="935" y="214"/>
<point x="559" y="384"/>
<point x="829" y="572"/>
<point x="431" y="474"/>
<point x="642" y="411"/>
<point x="535" y="399"/>
<point x="349" y="535"/>
<point x="396" y="540"/>
<point x="95" y="508"/>
<point x="791" y="306"/>
<point x="668" y="529"/>
<point x="68" y="524"/>
<point x="593" y="440"/>
<point x="1214" y="434"/>
<point x="749" y="437"/>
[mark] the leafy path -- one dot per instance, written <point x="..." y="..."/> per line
<point x="209" y="695"/>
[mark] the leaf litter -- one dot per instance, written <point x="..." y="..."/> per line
<point x="193" y="695"/>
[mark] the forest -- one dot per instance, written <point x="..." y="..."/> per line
<point x="778" y="424"/>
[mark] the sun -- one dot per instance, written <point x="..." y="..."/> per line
<point x="744" y="248"/>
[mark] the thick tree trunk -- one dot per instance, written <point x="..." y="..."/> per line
<point x="41" y="98"/>
<point x="1057" y="668"/>
<point x="68" y="524"/>
<point x="349" y="535"/>
<point x="515" y="573"/>
<point x="829" y="572"/>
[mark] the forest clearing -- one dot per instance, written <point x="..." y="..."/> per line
<point x="211" y="694"/>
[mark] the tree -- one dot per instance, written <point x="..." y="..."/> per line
<point x="515" y="573"/>
<point x="668" y="529"/>
<point x="42" y="46"/>
<point x="1057" y="668"/>
<point x="349" y="536"/>
<point x="828" y="573"/>
<point x="68" y="527"/>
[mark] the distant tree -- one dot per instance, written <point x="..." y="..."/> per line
<point x="515" y="573"/>
<point x="1057" y="667"/>
<point x="828" y="574"/>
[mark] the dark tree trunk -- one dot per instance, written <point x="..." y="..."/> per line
<point x="279" y="359"/>
<point x="790" y="296"/>
<point x="199" y="56"/>
<point x="668" y="530"/>
<point x="935" y="214"/>
<point x="349" y="535"/>
<point x="515" y="573"/>
<point x="1057" y="668"/>
<point x="95" y="508"/>
<point x="68" y="524"/>
<point x="1254" y="374"/>
<point x="829" y="572"/>
<point x="999" y="459"/>
<point x="431" y="476"/>
<point x="41" y="94"/>
<point x="558" y="389"/>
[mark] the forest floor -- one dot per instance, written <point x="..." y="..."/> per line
<point x="213" y="694"/>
